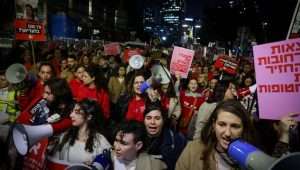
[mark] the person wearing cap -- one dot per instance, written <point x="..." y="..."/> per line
<point x="162" y="142"/>
<point x="228" y="121"/>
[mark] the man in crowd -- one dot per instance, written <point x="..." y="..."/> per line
<point x="35" y="89"/>
<point x="128" y="150"/>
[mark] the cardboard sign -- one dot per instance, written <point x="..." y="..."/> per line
<point x="277" y="67"/>
<point x="181" y="61"/>
<point x="112" y="49"/>
<point x="226" y="63"/>
<point x="29" y="30"/>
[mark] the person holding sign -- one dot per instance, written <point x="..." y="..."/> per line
<point x="288" y="135"/>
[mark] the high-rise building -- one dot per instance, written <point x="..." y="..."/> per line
<point x="164" y="21"/>
<point x="172" y="12"/>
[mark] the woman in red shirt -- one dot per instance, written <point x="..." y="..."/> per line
<point x="76" y="82"/>
<point x="190" y="100"/>
<point x="94" y="87"/>
<point x="131" y="105"/>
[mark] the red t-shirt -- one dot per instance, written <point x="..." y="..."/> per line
<point x="135" y="111"/>
<point x="100" y="95"/>
<point x="76" y="86"/>
<point x="36" y="92"/>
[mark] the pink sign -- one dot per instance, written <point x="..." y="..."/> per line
<point x="112" y="49"/>
<point x="181" y="61"/>
<point x="277" y="67"/>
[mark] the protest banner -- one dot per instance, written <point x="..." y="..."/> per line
<point x="27" y="23"/>
<point x="112" y="49"/>
<point x="29" y="30"/>
<point x="181" y="61"/>
<point x="130" y="52"/>
<point x="35" y="158"/>
<point x="227" y="64"/>
<point x="277" y="67"/>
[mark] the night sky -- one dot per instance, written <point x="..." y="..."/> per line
<point x="221" y="22"/>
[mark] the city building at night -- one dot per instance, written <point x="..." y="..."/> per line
<point x="164" y="21"/>
<point x="172" y="12"/>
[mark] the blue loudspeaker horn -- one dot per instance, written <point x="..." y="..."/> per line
<point x="249" y="157"/>
<point x="102" y="161"/>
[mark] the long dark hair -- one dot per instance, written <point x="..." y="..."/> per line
<point x="100" y="80"/>
<point x="219" y="92"/>
<point x="90" y="109"/>
<point x="208" y="136"/>
<point x="62" y="96"/>
<point x="130" y="82"/>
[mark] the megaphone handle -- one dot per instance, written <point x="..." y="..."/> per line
<point x="249" y="109"/>
<point x="166" y="72"/>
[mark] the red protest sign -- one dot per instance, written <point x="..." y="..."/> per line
<point x="226" y="63"/>
<point x="29" y="30"/>
<point x="130" y="52"/>
<point x="112" y="49"/>
<point x="181" y="61"/>
<point x="35" y="158"/>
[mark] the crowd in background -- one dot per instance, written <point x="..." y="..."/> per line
<point x="96" y="95"/>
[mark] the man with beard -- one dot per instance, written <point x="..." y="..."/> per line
<point x="68" y="73"/>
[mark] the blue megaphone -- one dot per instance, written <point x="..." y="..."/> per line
<point x="102" y="161"/>
<point x="249" y="157"/>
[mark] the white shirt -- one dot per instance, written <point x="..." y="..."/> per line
<point x="77" y="152"/>
<point x="122" y="166"/>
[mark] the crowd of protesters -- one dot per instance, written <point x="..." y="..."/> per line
<point x="184" y="124"/>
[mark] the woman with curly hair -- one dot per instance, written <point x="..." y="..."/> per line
<point x="83" y="141"/>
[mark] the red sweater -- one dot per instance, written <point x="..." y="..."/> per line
<point x="30" y="95"/>
<point x="189" y="106"/>
<point x="100" y="95"/>
<point x="136" y="110"/>
<point x="76" y="86"/>
<point x="58" y="127"/>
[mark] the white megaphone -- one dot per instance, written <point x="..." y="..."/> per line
<point x="15" y="73"/>
<point x="249" y="157"/>
<point x="25" y="136"/>
<point x="136" y="61"/>
<point x="159" y="75"/>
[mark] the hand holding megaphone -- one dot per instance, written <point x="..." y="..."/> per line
<point x="102" y="161"/>
<point x="249" y="157"/>
<point x="159" y="75"/>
